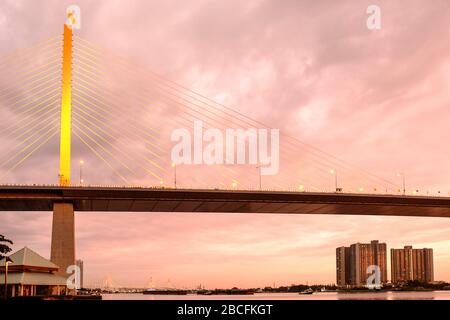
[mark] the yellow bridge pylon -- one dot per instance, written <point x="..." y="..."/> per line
<point x="66" y="109"/>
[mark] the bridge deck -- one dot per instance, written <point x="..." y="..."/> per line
<point x="108" y="199"/>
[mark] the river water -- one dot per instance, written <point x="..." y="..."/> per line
<point x="433" y="295"/>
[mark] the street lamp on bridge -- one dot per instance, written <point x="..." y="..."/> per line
<point x="174" y="166"/>
<point x="259" y="172"/>
<point x="81" y="172"/>
<point x="334" y="172"/>
<point x="403" y="180"/>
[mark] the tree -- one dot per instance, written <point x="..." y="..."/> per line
<point x="4" y="247"/>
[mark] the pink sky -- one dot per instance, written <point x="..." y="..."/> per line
<point x="377" y="99"/>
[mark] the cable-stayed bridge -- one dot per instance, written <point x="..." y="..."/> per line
<point x="122" y="117"/>
<point x="67" y="95"/>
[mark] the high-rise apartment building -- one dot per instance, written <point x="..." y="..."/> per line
<point x="352" y="263"/>
<point x="412" y="264"/>
<point x="80" y="265"/>
<point x="342" y="266"/>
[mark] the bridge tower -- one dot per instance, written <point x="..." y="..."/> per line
<point x="66" y="109"/>
<point x="63" y="226"/>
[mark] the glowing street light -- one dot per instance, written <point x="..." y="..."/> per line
<point x="81" y="172"/>
<point x="334" y="172"/>
<point x="174" y="166"/>
<point x="260" y="185"/>
<point x="403" y="179"/>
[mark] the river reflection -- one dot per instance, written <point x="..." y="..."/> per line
<point x="428" y="295"/>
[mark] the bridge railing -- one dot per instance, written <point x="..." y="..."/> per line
<point x="237" y="189"/>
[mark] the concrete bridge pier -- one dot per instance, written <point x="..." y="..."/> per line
<point x="63" y="237"/>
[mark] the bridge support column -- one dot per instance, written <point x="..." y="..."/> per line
<point x="63" y="237"/>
